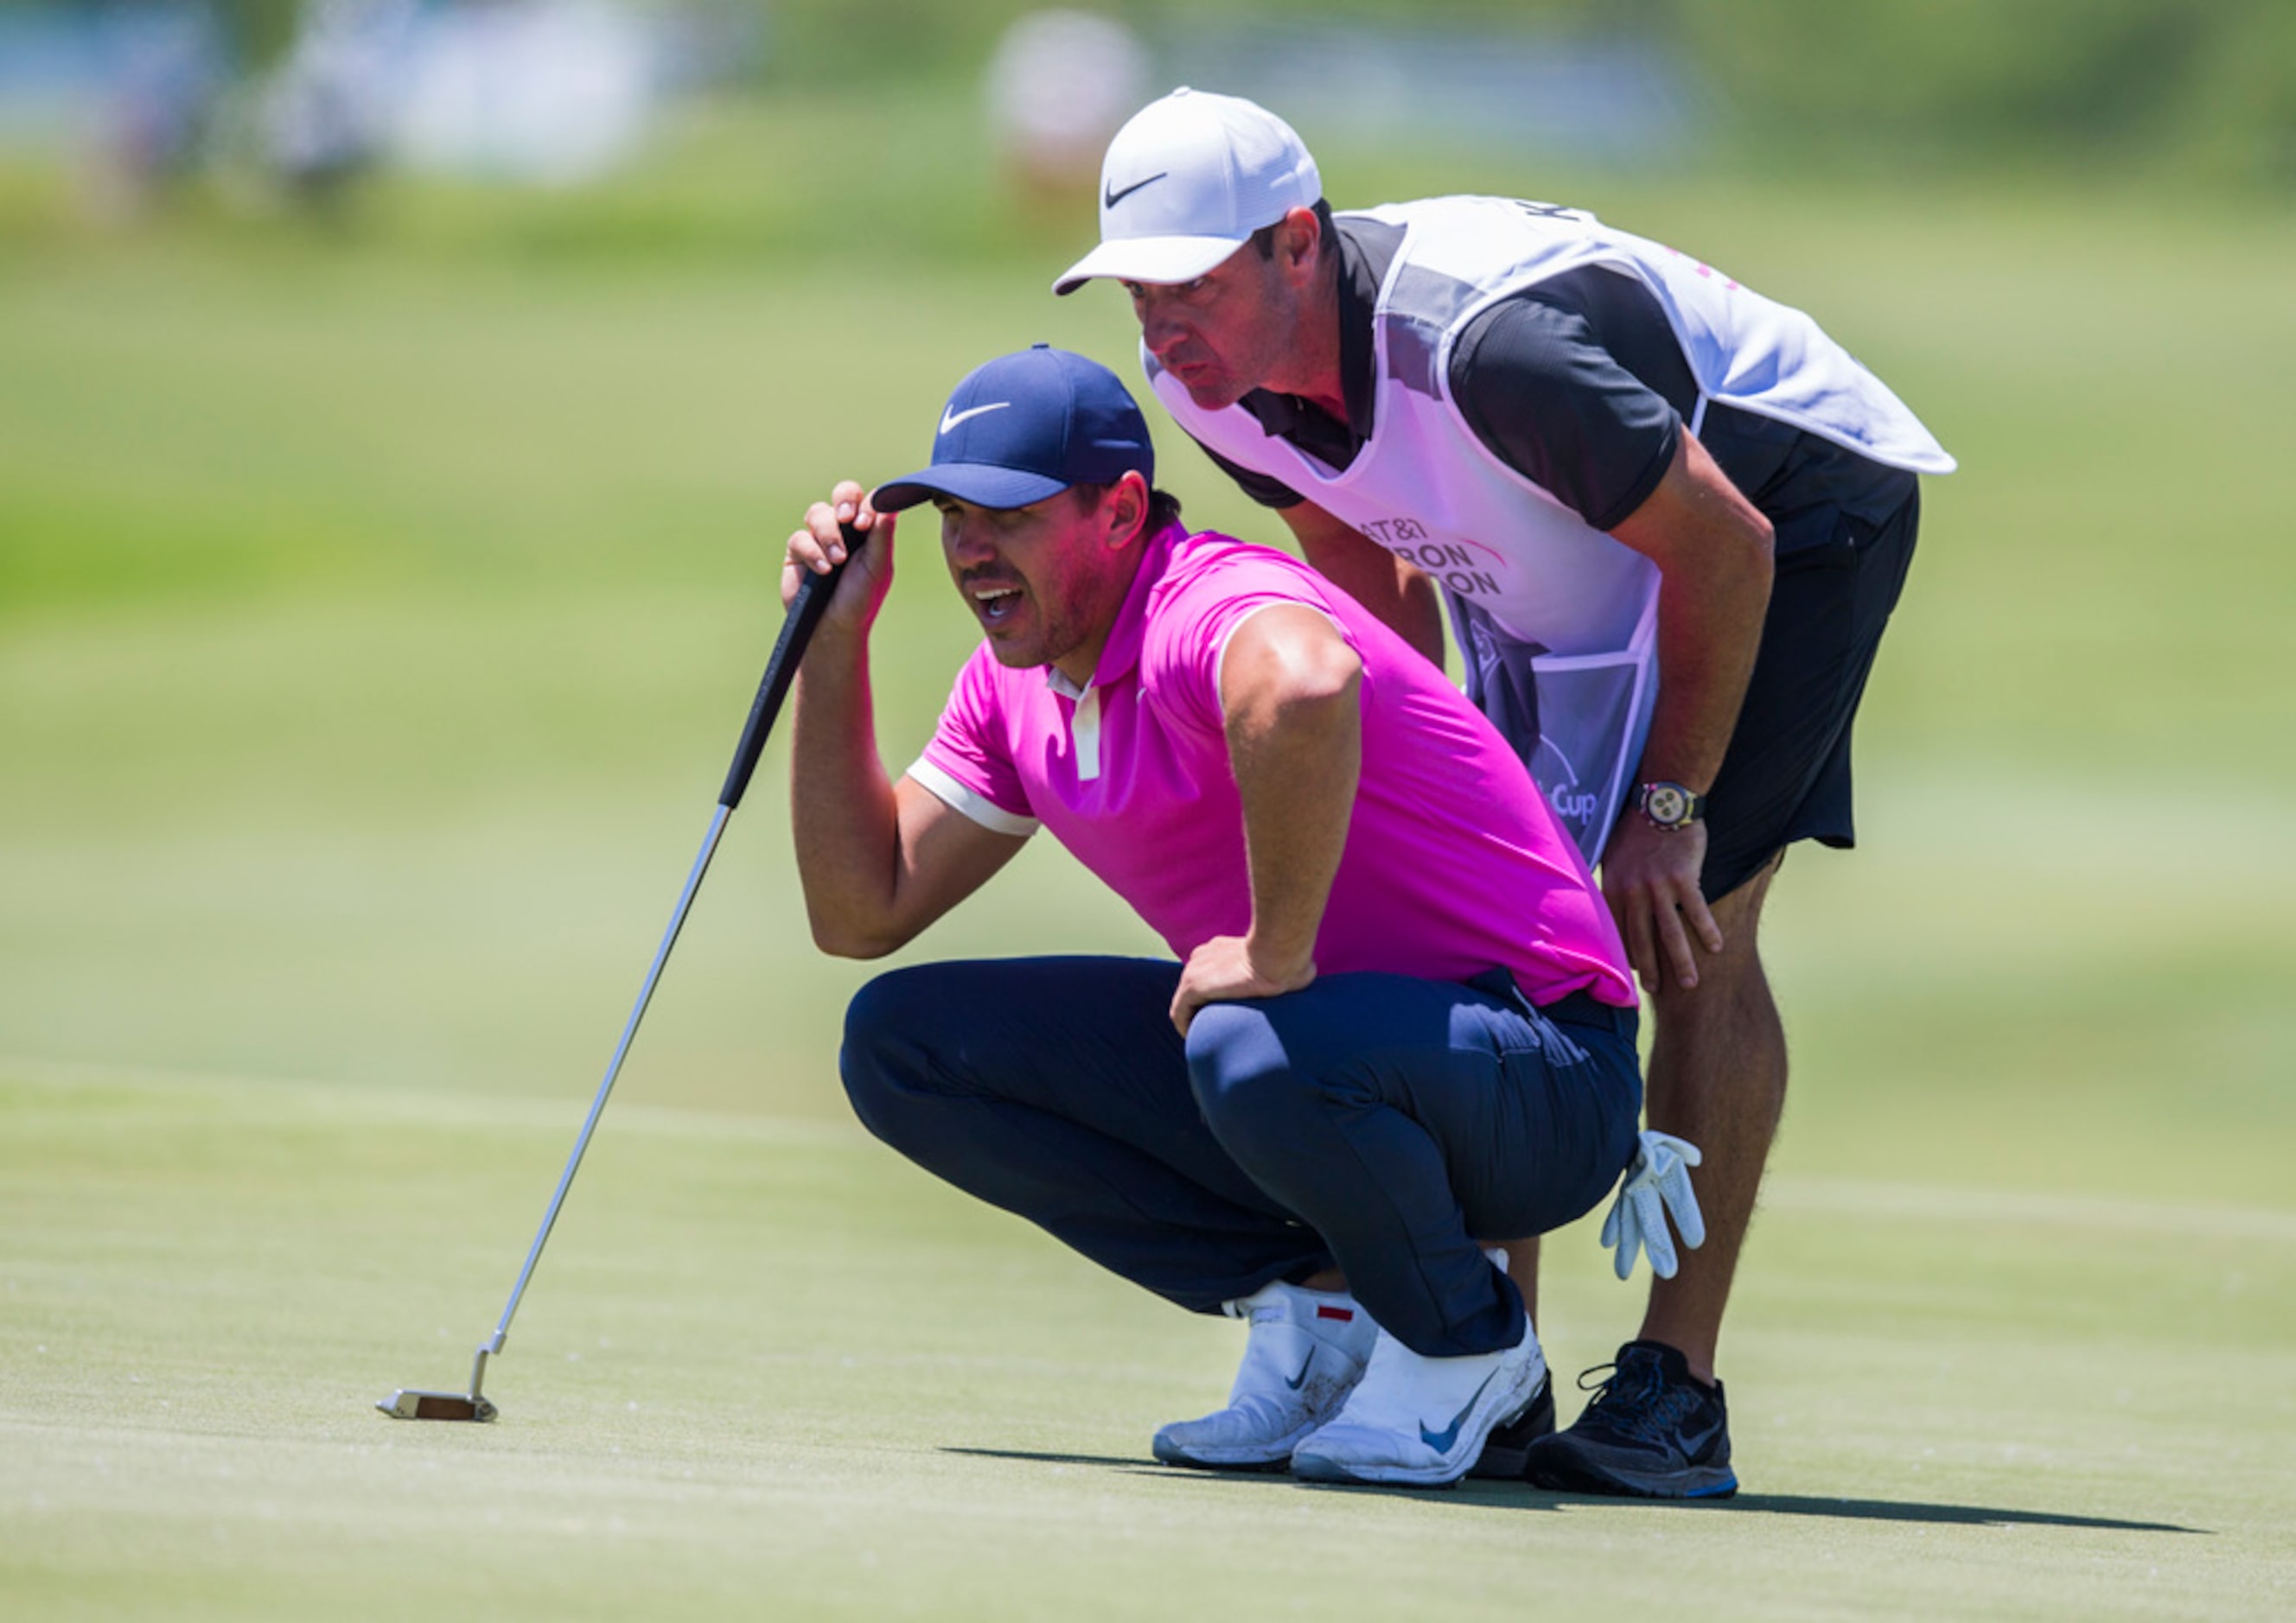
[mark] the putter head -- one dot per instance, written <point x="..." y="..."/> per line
<point x="407" y="1404"/>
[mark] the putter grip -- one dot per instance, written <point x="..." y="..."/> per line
<point x="805" y="612"/>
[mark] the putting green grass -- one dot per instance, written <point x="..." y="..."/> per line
<point x="768" y="1371"/>
<point x="374" y="627"/>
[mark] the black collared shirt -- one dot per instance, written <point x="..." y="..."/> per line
<point x="1580" y="385"/>
<point x="1366" y="250"/>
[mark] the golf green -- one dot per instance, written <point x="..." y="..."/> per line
<point x="767" y="1369"/>
<point x="374" y="627"/>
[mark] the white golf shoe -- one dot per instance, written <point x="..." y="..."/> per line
<point x="1422" y="1421"/>
<point x="1306" y="1351"/>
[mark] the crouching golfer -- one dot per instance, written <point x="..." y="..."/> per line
<point x="1400" y="1018"/>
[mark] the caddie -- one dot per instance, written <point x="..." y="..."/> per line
<point x="1671" y="517"/>
<point x="1398" y="1015"/>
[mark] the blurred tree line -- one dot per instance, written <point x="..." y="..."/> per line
<point x="2180" y="84"/>
<point x="2188" y="86"/>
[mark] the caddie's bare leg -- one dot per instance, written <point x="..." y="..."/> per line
<point x="1718" y="1077"/>
<point x="1522" y="1268"/>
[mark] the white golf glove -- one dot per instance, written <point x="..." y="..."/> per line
<point x="1657" y="1186"/>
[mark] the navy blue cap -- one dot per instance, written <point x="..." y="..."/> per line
<point x="1026" y="426"/>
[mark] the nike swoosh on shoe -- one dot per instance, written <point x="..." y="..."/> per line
<point x="1442" y="1441"/>
<point x="1692" y="1447"/>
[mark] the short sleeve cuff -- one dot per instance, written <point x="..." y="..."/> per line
<point x="1227" y="632"/>
<point x="1646" y="483"/>
<point x="971" y="802"/>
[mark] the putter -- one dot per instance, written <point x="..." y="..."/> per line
<point x="805" y="612"/>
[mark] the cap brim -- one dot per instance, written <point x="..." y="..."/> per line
<point x="983" y="484"/>
<point x="1158" y="260"/>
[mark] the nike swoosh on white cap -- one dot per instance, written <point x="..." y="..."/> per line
<point x="949" y="420"/>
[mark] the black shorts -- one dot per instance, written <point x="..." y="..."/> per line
<point x="1786" y="774"/>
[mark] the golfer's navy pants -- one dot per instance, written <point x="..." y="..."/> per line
<point x="1377" y="1122"/>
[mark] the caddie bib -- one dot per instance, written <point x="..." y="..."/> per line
<point x="1556" y="621"/>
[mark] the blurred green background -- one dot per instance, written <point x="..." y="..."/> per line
<point x="379" y="585"/>
<point x="384" y="575"/>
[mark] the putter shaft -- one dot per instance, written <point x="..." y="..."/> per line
<point x="493" y="1344"/>
<point x="411" y="1404"/>
<point x="806" y="607"/>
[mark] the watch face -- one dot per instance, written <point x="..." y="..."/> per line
<point x="1667" y="803"/>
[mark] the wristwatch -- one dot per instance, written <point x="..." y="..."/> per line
<point x="1669" y="806"/>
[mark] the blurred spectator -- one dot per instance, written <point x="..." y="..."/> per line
<point x="554" y="92"/>
<point x="547" y="92"/>
<point x="1059" y="84"/>
<point x="168" y="70"/>
<point x="326" y="111"/>
<point x="128" y="87"/>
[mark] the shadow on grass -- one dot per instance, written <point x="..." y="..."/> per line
<point x="1875" y="1510"/>
<point x="1523" y="1497"/>
<point x="1129" y="1465"/>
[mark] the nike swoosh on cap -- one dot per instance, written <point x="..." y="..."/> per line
<point x="1442" y="1441"/>
<point x="949" y="420"/>
<point x="1109" y="200"/>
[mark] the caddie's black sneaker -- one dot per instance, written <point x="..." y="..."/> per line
<point x="1649" y="1432"/>
<point x="1508" y="1448"/>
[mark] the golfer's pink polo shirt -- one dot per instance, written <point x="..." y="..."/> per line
<point x="1453" y="864"/>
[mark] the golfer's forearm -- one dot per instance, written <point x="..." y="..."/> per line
<point x="1298" y="793"/>
<point x="842" y="810"/>
<point x="1295" y="743"/>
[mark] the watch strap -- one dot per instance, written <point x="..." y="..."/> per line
<point x="1677" y="806"/>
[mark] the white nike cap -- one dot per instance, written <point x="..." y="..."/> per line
<point x="1186" y="182"/>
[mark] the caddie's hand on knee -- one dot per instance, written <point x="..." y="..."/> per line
<point x="820" y="546"/>
<point x="1649" y="878"/>
<point x="1223" y="970"/>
